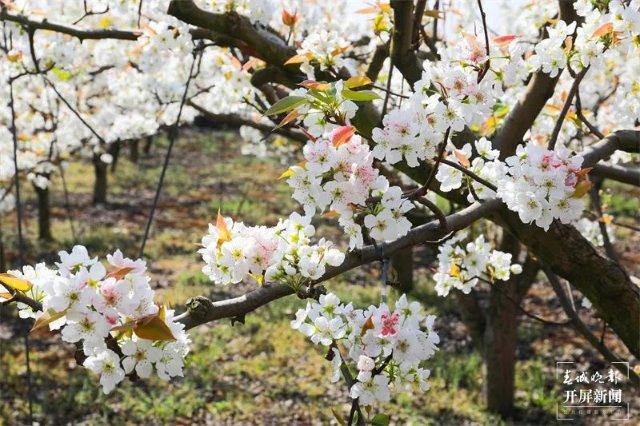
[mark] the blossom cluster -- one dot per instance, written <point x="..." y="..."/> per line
<point x="91" y="307"/>
<point x="387" y="347"/>
<point x="233" y="251"/>
<point x="448" y="97"/>
<point x="462" y="267"/>
<point x="338" y="174"/>
<point x="542" y="185"/>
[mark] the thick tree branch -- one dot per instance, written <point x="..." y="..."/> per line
<point x="403" y="57"/>
<point x="263" y="42"/>
<point x="81" y="34"/>
<point x="582" y="328"/>
<point x="617" y="173"/>
<point x="567" y="253"/>
<point x="623" y="140"/>
<point x="527" y="108"/>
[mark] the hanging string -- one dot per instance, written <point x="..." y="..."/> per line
<point x="173" y="134"/>
<point x="384" y="268"/>
<point x="67" y="204"/>
<point x="16" y="175"/>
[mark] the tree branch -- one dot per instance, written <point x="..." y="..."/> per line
<point x="201" y="310"/>
<point x="582" y="328"/>
<point x="79" y="33"/>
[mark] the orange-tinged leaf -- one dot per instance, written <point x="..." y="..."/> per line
<point x="582" y="188"/>
<point x="357" y="81"/>
<point x="607" y="219"/>
<point x="153" y="327"/>
<point x="462" y="157"/>
<point x="331" y="214"/>
<point x="14" y="55"/>
<point x="368" y="325"/>
<point x="583" y="172"/>
<point x="339" y="50"/>
<point x="342" y="135"/>
<point x="298" y="59"/>
<point x="315" y="85"/>
<point x="603" y="29"/>
<point x="223" y="232"/>
<point x="288" y="118"/>
<point x="568" y="44"/>
<point x="288" y="18"/>
<point x="367" y="10"/>
<point x="251" y="63"/>
<point x="5" y="295"/>
<point x="119" y="274"/>
<point x="504" y="39"/>
<point x="9" y="280"/>
<point x="47" y="318"/>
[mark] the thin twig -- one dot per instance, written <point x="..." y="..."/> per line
<point x="443" y="146"/>
<point x="173" y="134"/>
<point x="469" y="173"/>
<point x="565" y="108"/>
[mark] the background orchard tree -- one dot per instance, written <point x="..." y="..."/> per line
<point x="486" y="138"/>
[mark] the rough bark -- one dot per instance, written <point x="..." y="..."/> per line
<point x="402" y="262"/>
<point x="602" y="280"/>
<point x="134" y="151"/>
<point x="100" y="184"/>
<point x="147" y="145"/>
<point x="44" y="214"/>
<point x="114" y="150"/>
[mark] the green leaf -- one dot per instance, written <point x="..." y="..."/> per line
<point x="360" y="95"/>
<point x="63" y="75"/>
<point x="338" y="417"/>
<point x="357" y="81"/>
<point x="380" y="419"/>
<point x="285" y="104"/>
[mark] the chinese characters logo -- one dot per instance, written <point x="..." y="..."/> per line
<point x="590" y="392"/>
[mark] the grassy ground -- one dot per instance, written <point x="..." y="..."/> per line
<point x="261" y="372"/>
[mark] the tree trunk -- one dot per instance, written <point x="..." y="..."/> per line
<point x="44" y="214"/>
<point x="402" y="262"/>
<point x="147" y="145"/>
<point x="501" y="339"/>
<point x="100" y="185"/>
<point x="134" y="150"/>
<point x="114" y="150"/>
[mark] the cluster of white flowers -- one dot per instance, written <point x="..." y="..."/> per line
<point x="89" y="305"/>
<point x="550" y="54"/>
<point x="338" y="174"/>
<point x="543" y="185"/>
<point x="324" y="49"/>
<point x="233" y="251"/>
<point x="386" y="346"/>
<point x="591" y="230"/>
<point x="448" y="96"/>
<point x="462" y="267"/>
<point x="485" y="165"/>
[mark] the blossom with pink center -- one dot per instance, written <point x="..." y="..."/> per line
<point x="389" y="324"/>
